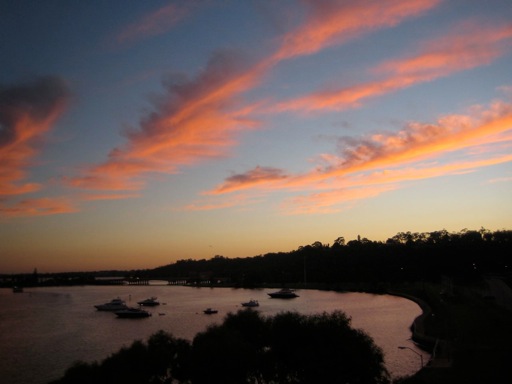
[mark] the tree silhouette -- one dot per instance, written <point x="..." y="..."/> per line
<point x="246" y="348"/>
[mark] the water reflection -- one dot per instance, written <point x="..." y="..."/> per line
<point x="44" y="330"/>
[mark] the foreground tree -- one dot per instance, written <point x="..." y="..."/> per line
<point x="322" y="348"/>
<point x="286" y="348"/>
<point x="163" y="359"/>
<point x="247" y="348"/>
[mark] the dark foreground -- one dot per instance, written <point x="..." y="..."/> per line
<point x="247" y="348"/>
<point x="468" y="329"/>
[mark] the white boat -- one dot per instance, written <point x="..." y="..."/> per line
<point x="151" y="302"/>
<point x="210" y="311"/>
<point x="284" y="293"/>
<point x="132" y="313"/>
<point x="251" y="303"/>
<point x="113" y="305"/>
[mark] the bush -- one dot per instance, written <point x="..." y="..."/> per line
<point x="247" y="348"/>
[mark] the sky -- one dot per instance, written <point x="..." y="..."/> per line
<point x="135" y="134"/>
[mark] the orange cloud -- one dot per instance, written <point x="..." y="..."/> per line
<point x="420" y="172"/>
<point x="418" y="142"/>
<point x="27" y="112"/>
<point x="258" y="175"/>
<point x="155" y="23"/>
<point x="459" y="51"/>
<point x="196" y="120"/>
<point x="37" y="207"/>
<point x="365" y="186"/>
<point x="199" y="119"/>
<point x="425" y="141"/>
<point x="335" y="22"/>
<point x="393" y="158"/>
<point x="118" y="196"/>
<point x="233" y="201"/>
<point x="329" y="202"/>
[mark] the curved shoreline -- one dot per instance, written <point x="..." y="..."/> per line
<point x="419" y="335"/>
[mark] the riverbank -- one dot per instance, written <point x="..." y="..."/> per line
<point x="469" y="329"/>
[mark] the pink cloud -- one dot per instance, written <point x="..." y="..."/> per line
<point x="360" y="186"/>
<point x="27" y="112"/>
<point x="37" y="207"/>
<point x="419" y="141"/>
<point x="258" y="175"/>
<point x="458" y="51"/>
<point x="240" y="200"/>
<point x="195" y="121"/>
<point x="199" y="119"/>
<point x="335" y="22"/>
<point x="330" y="201"/>
<point x="118" y="196"/>
<point x="378" y="163"/>
<point x="155" y="23"/>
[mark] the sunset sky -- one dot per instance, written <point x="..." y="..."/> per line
<point x="137" y="133"/>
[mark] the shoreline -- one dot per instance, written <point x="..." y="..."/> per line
<point x="419" y="335"/>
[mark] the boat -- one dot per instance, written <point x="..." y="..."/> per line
<point x="151" y="302"/>
<point x="251" y="303"/>
<point x="284" y="293"/>
<point x="210" y="311"/>
<point x="113" y="305"/>
<point x="17" y="289"/>
<point x="132" y="313"/>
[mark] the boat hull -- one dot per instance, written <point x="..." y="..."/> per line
<point x="283" y="294"/>
<point x="132" y="314"/>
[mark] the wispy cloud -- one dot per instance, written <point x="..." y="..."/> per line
<point x="331" y="23"/>
<point x="200" y="119"/>
<point x="27" y="112"/>
<point x="418" y="141"/>
<point x="386" y="160"/>
<point x="240" y="200"/>
<point x="501" y="180"/>
<point x="362" y="186"/>
<point x="460" y="50"/>
<point x="37" y="207"/>
<point x="112" y="196"/>
<point x="155" y="23"/>
<point x="332" y="201"/>
<point x="258" y="175"/>
<point x="194" y="121"/>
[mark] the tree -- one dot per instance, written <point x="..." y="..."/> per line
<point x="340" y="241"/>
<point x="286" y="348"/>
<point x="328" y="350"/>
<point x="229" y="353"/>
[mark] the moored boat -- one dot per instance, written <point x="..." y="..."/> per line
<point x="210" y="311"/>
<point x="132" y="313"/>
<point x="113" y="305"/>
<point x="251" y="303"/>
<point x="284" y="293"/>
<point x="151" y="302"/>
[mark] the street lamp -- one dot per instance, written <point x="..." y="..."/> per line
<point x="419" y="354"/>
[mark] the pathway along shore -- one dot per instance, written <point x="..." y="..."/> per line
<point x="440" y="349"/>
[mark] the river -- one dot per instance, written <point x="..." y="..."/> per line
<point x="44" y="330"/>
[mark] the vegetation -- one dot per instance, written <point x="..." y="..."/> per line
<point x="406" y="257"/>
<point x="246" y="348"/>
<point x="465" y="256"/>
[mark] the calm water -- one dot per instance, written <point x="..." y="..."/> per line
<point x="44" y="330"/>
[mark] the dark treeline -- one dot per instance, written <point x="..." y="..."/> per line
<point x="465" y="256"/>
<point x="246" y="348"/>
